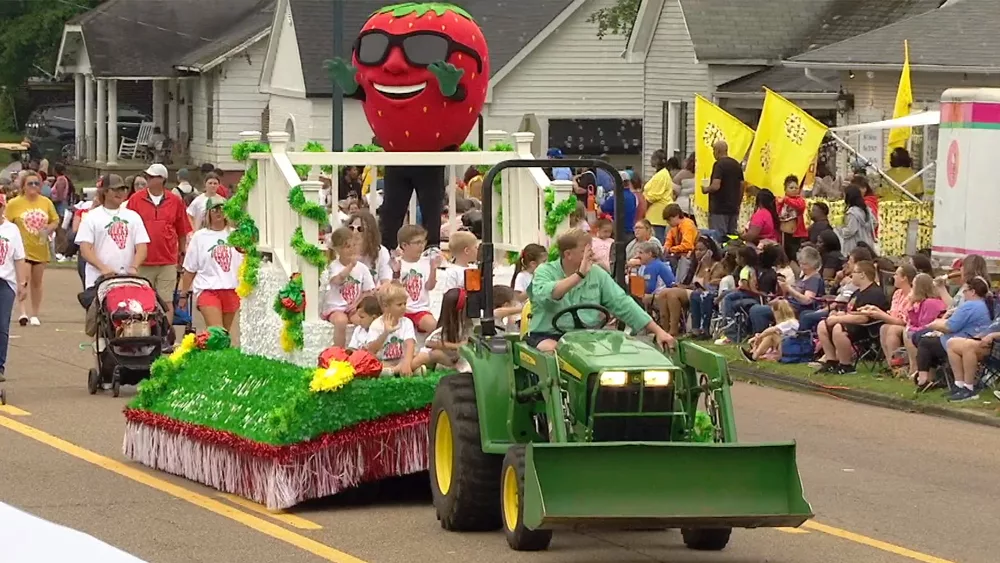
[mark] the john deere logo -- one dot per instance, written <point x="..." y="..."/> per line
<point x="712" y="134"/>
<point x="795" y="129"/>
<point x="766" y="157"/>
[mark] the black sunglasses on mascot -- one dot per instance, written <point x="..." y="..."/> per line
<point x="420" y="48"/>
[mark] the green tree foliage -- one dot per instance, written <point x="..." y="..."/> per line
<point x="617" y="19"/>
<point x="30" y="32"/>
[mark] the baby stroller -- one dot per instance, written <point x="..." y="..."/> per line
<point x="131" y="325"/>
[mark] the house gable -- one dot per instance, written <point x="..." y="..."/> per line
<point x="282" y="73"/>
<point x="641" y="37"/>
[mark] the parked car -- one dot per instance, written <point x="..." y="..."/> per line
<point x="52" y="127"/>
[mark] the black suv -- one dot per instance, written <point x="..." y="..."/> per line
<point x="52" y="127"/>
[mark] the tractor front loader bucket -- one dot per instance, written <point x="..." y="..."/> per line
<point x="672" y="485"/>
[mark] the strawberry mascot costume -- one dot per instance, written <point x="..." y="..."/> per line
<point x="420" y="70"/>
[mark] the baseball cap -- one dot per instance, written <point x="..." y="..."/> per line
<point x="183" y="174"/>
<point x="112" y="181"/>
<point x="555" y="152"/>
<point x="214" y="202"/>
<point x="626" y="175"/>
<point x="157" y="170"/>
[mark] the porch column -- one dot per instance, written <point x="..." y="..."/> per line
<point x="112" y="122"/>
<point x="158" y="97"/>
<point x="102" y="115"/>
<point x="88" y="117"/>
<point x="173" y="117"/>
<point x="79" y="133"/>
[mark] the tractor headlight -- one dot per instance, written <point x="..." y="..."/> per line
<point x="614" y="378"/>
<point x="656" y="378"/>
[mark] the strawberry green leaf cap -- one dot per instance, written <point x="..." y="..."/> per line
<point x="421" y="8"/>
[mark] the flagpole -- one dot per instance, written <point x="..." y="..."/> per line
<point x="864" y="159"/>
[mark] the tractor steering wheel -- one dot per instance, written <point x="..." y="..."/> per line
<point x="578" y="323"/>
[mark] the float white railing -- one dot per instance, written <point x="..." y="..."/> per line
<point x="521" y="198"/>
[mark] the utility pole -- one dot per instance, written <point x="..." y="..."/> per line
<point x="337" y="95"/>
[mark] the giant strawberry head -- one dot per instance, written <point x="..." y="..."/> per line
<point x="421" y="70"/>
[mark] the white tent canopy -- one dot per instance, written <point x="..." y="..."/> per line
<point x="912" y="120"/>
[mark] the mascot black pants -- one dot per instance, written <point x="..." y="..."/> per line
<point x="399" y="184"/>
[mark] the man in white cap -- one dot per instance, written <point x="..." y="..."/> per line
<point x="165" y="217"/>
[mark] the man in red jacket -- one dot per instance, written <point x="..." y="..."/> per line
<point x="165" y="217"/>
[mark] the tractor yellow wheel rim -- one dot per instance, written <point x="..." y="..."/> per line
<point x="444" y="450"/>
<point x="511" y="504"/>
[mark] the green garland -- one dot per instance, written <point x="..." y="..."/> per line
<point x="310" y="210"/>
<point x="555" y="215"/>
<point x="269" y="401"/>
<point x="310" y="252"/>
<point x="245" y="234"/>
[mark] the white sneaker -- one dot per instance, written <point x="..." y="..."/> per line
<point x="722" y="341"/>
<point x="33" y="321"/>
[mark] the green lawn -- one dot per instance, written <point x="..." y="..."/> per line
<point x="865" y="380"/>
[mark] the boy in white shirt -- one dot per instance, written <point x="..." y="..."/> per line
<point x="112" y="238"/>
<point x="464" y="249"/>
<point x="391" y="337"/>
<point x="350" y="281"/>
<point x="418" y="275"/>
<point x="368" y="311"/>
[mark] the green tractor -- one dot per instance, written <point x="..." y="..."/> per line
<point x="600" y="434"/>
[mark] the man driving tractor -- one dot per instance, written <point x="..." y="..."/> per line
<point x="572" y="281"/>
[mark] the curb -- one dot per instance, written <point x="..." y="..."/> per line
<point x="859" y="396"/>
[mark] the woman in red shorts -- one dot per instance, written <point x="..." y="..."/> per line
<point x="210" y="270"/>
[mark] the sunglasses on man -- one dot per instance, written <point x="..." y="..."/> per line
<point x="420" y="48"/>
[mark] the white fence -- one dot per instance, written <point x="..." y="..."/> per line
<point x="521" y="198"/>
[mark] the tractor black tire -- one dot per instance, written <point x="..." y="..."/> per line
<point x="471" y="499"/>
<point x="520" y="538"/>
<point x="706" y="539"/>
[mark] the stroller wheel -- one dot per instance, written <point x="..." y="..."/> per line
<point x="93" y="381"/>
<point x="3" y="397"/>
<point x="116" y="383"/>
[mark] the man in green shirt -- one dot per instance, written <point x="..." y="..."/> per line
<point x="574" y="281"/>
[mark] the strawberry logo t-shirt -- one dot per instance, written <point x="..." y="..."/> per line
<point x="31" y="217"/>
<point x="213" y="261"/>
<point x="11" y="249"/>
<point x="392" y="349"/>
<point x="357" y="282"/>
<point x="114" y="235"/>
<point x="414" y="277"/>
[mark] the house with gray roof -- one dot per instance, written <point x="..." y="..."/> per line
<point x="728" y="50"/>
<point x="550" y="74"/>
<point x="202" y="58"/>
<point x="952" y="46"/>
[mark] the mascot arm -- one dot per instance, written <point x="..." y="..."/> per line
<point x="343" y="73"/>
<point x="448" y="76"/>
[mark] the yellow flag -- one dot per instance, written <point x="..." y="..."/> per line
<point x="713" y="124"/>
<point x="904" y="100"/>
<point x="786" y="143"/>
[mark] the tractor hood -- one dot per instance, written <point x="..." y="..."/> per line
<point x="590" y="351"/>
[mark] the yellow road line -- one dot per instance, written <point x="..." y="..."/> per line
<point x="870" y="542"/>
<point x="792" y="530"/>
<point x="11" y="410"/>
<point x="279" y="515"/>
<point x="222" y="509"/>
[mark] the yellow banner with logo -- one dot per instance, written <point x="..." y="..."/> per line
<point x="786" y="143"/>
<point x="713" y="124"/>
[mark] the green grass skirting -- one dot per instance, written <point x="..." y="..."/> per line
<point x="269" y="401"/>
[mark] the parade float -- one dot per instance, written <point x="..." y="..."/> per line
<point x="282" y="419"/>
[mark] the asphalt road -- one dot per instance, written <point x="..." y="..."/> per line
<point x="886" y="486"/>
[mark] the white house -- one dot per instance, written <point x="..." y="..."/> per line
<point x="550" y="74"/>
<point x="204" y="60"/>
<point x="727" y="51"/>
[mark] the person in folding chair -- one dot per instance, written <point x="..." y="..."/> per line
<point x="843" y="331"/>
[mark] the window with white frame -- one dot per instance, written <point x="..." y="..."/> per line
<point x="209" y="82"/>
<point x="675" y="128"/>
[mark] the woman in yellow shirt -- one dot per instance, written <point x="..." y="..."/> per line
<point x="36" y="218"/>
<point x="659" y="192"/>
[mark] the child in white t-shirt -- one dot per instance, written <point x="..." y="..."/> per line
<point x="391" y="337"/>
<point x="418" y="275"/>
<point x="368" y="311"/>
<point x="441" y="347"/>
<point x="531" y="257"/>
<point x="464" y="249"/>
<point x="767" y="344"/>
<point x="350" y="281"/>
